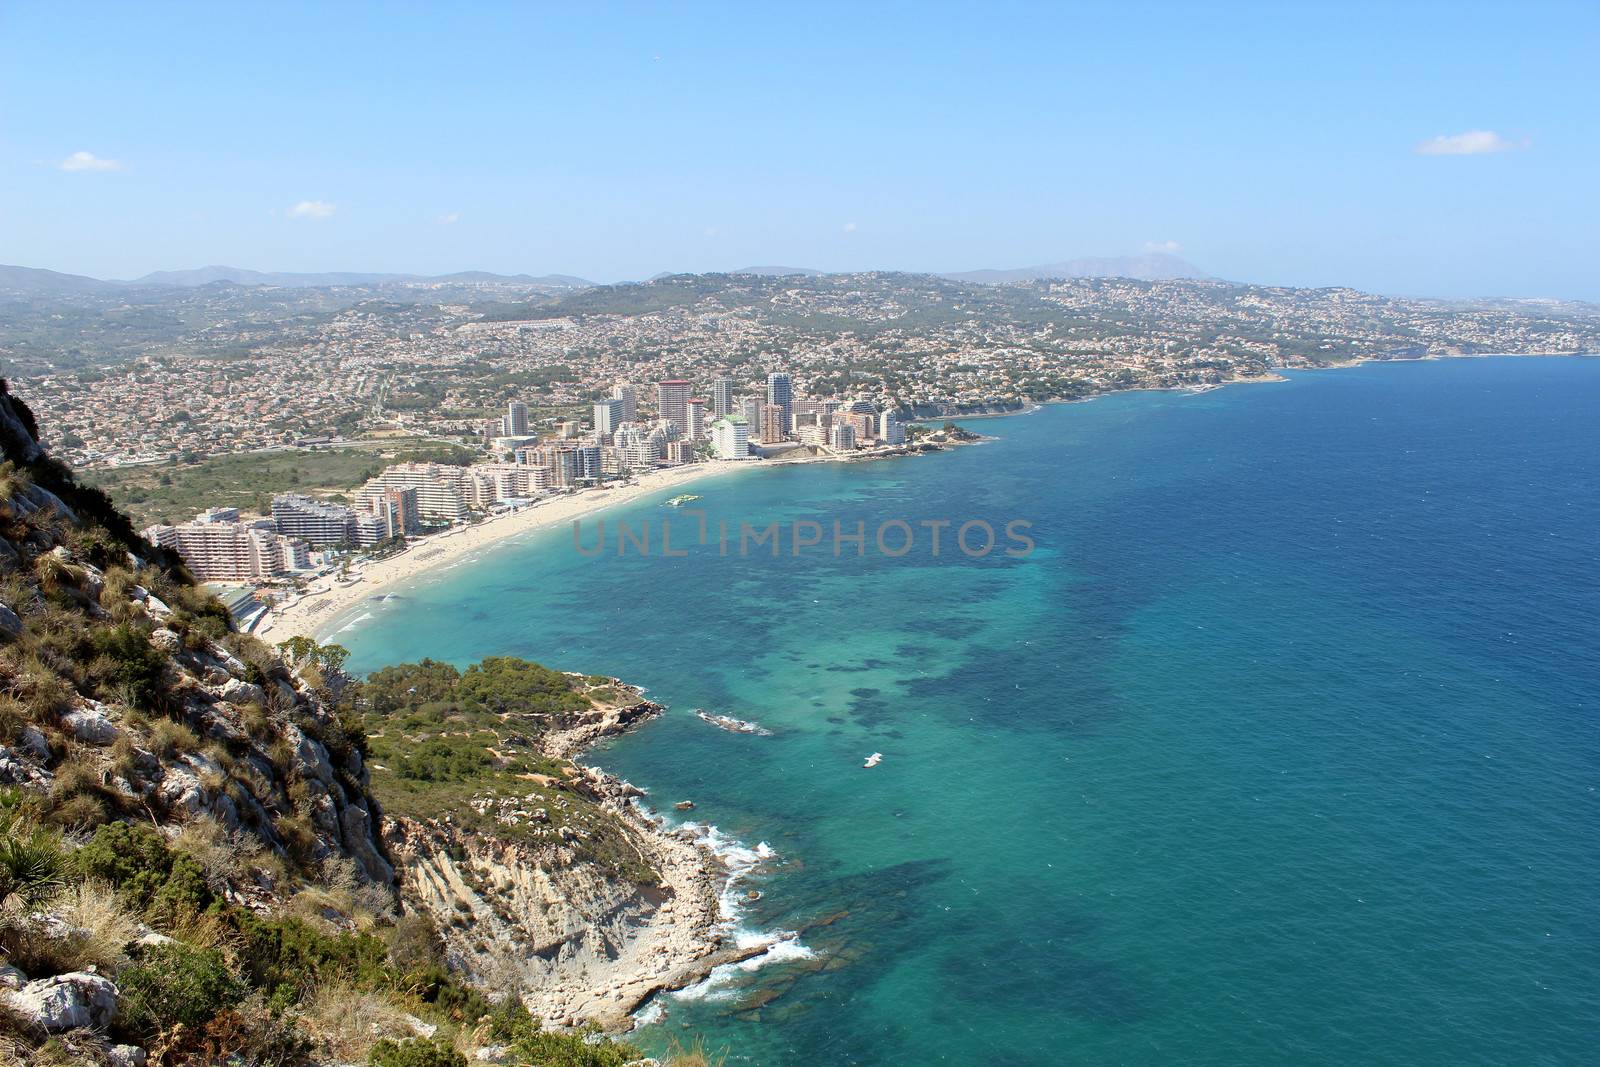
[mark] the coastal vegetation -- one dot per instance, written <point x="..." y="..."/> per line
<point x="472" y="744"/>
<point x="175" y="492"/>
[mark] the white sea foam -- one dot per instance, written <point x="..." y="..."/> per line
<point x="777" y="946"/>
<point x="353" y="623"/>
<point x="783" y="947"/>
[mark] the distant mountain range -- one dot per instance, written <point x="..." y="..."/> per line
<point x="1155" y="267"/>
<point x="46" y="282"/>
<point x="240" y="276"/>
<point x="31" y="280"/>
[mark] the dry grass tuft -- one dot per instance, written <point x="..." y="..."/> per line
<point x="346" y="1022"/>
<point x="226" y="858"/>
<point x="93" y="931"/>
<point x="169" y="739"/>
<point x="205" y="930"/>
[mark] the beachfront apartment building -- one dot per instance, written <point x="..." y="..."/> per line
<point x="217" y="547"/>
<point x="640" y="447"/>
<point x="317" y="522"/>
<point x="630" y="401"/>
<point x="721" y="397"/>
<point x="440" y="489"/>
<point x="568" y="463"/>
<point x="694" y="419"/>
<point x="491" y="483"/>
<point x="607" y="416"/>
<point x="730" y="437"/>
<point x="370" y="528"/>
<point x="891" y="431"/>
<point x="403" y="504"/>
<point x="773" y="426"/>
<point x="672" y="398"/>
<point x="864" y="425"/>
<point x="780" y="392"/>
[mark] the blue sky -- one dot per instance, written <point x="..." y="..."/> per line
<point x="1280" y="143"/>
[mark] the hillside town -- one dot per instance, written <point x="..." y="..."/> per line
<point x="513" y="396"/>
<point x="912" y="343"/>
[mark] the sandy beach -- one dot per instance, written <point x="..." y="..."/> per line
<point x="327" y="597"/>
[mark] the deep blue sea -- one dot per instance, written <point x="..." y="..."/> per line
<point x="1282" y="747"/>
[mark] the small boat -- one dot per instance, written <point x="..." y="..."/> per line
<point x="681" y="500"/>
<point x="874" y="759"/>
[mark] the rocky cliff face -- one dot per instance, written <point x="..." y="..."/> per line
<point x="577" y="942"/>
<point x="128" y="697"/>
<point x="165" y="783"/>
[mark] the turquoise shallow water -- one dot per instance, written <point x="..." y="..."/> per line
<point x="1281" y="748"/>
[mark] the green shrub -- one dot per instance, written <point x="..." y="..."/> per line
<point x="136" y="665"/>
<point x="440" y="759"/>
<point x="459" y="1003"/>
<point x="285" y="957"/>
<point x="175" y="984"/>
<point x="511" y="1021"/>
<point x="134" y="858"/>
<point x="418" y="1053"/>
<point x="583" y="1049"/>
<point x="185" y="891"/>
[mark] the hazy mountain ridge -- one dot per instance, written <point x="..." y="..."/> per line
<point x="36" y="281"/>
<point x="242" y="276"/>
<point x="1154" y="267"/>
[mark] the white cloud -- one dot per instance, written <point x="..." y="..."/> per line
<point x="89" y="161"/>
<point x="1471" y="143"/>
<point x="311" y="209"/>
<point x="449" y="218"/>
<point x="849" y="227"/>
<point x="1171" y="248"/>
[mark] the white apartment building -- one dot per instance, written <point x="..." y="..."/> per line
<point x="441" y="489"/>
<point x="219" y="549"/>
<point x="630" y="401"/>
<point x="730" y="437"/>
<point x="891" y="431"/>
